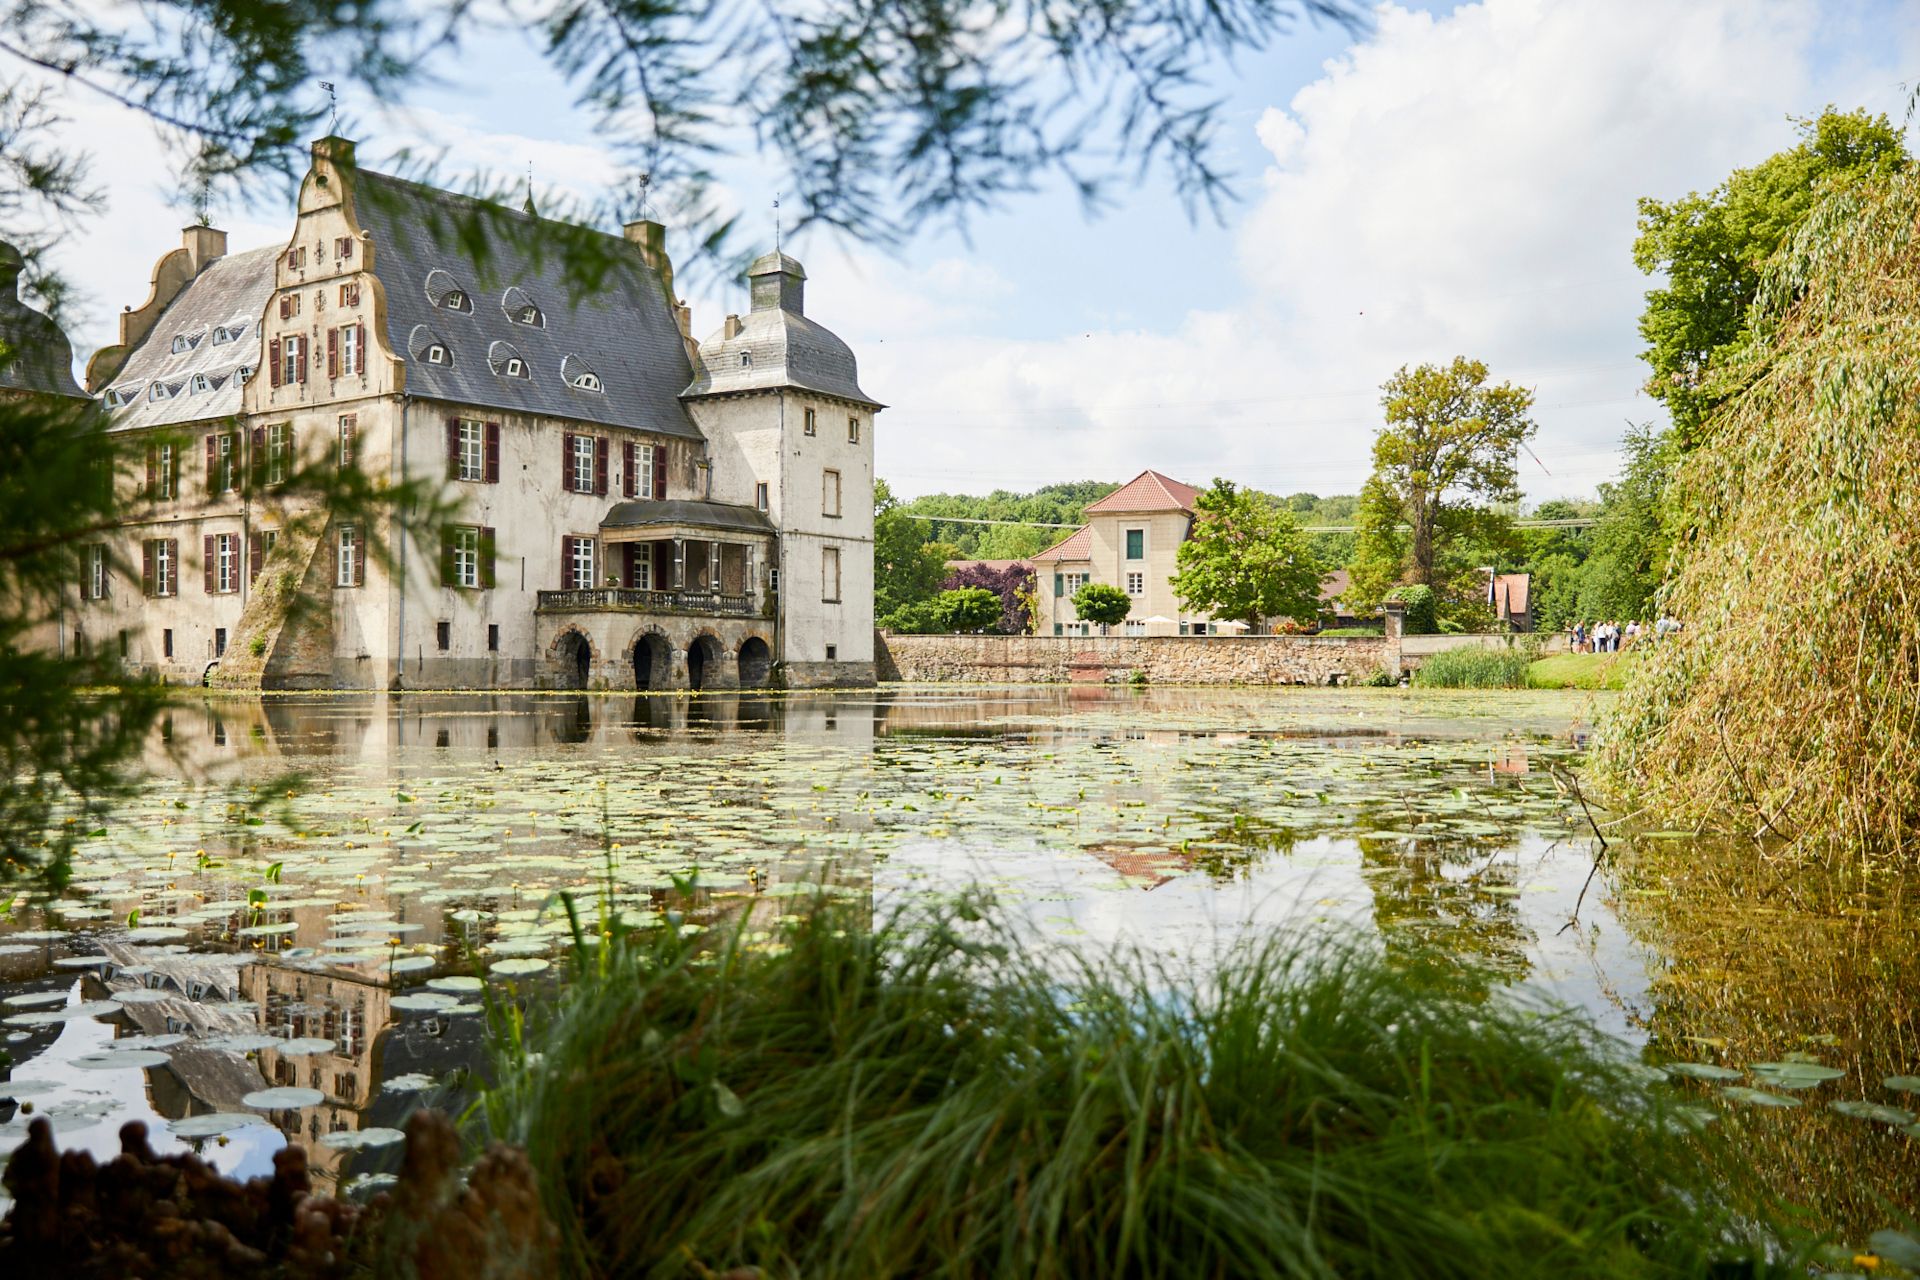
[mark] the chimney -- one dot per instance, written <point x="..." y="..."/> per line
<point x="203" y="244"/>
<point x="650" y="238"/>
<point x="684" y="314"/>
<point x="731" y="329"/>
<point x="777" y="282"/>
<point x="337" y="150"/>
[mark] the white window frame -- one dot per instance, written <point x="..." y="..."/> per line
<point x="96" y="572"/>
<point x="466" y="557"/>
<point x="473" y="450"/>
<point x="349" y="349"/>
<point x="853" y="428"/>
<point x="1136" y="584"/>
<point x="224" y="467"/>
<point x="643" y="459"/>
<point x="226" y="551"/>
<point x="279" y="449"/>
<point x="808" y="423"/>
<point x="169" y="476"/>
<point x="584" y="450"/>
<point x="1072" y="583"/>
<point x="346" y="561"/>
<point x="165" y="571"/>
<point x="291" y="355"/>
<point x="830" y="575"/>
<point x="760" y="496"/>
<point x="1134" y="628"/>
<point x="830" y="493"/>
<point x="583" y="573"/>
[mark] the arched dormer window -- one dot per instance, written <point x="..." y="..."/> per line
<point x="448" y="294"/>
<point x="506" y="361"/>
<point x="575" y="373"/>
<point x="119" y="397"/>
<point x="521" y="308"/>
<point x="427" y="347"/>
<point x="199" y="384"/>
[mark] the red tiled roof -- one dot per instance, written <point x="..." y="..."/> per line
<point x="1510" y="590"/>
<point x="1334" y="585"/>
<point x="1077" y="545"/>
<point x="1148" y="491"/>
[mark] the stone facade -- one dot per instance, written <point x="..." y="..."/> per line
<point x="1196" y="660"/>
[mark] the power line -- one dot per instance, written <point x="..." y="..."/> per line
<point x="1581" y="522"/>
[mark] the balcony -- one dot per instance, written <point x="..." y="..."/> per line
<point x="641" y="601"/>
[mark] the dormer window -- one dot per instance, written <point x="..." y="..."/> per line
<point x="121" y="396"/>
<point x="588" y="382"/>
<point x="447" y="293"/>
<point x="223" y="334"/>
<point x="457" y="300"/>
<point x="437" y="354"/>
<point x="575" y="373"/>
<point x="504" y="360"/>
<point x="162" y="391"/>
<point x="246" y="373"/>
<point x="530" y="315"/>
<point x="515" y="367"/>
<point x="521" y="308"/>
<point x="186" y="341"/>
<point x="199" y="384"/>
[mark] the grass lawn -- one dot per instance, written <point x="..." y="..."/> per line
<point x="1580" y="671"/>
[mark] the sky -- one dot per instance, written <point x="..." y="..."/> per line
<point x="1455" y="180"/>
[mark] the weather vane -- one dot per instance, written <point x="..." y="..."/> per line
<point x="333" y="108"/>
<point x="776" y="222"/>
<point x="645" y="180"/>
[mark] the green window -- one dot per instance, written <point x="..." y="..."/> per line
<point x="1059" y="585"/>
<point x="1136" y="544"/>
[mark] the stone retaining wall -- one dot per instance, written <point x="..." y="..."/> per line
<point x="1201" y="660"/>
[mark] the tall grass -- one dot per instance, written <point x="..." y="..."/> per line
<point x="930" y="1099"/>
<point x="1471" y="667"/>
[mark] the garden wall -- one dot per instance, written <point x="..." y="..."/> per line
<point x="1116" y="659"/>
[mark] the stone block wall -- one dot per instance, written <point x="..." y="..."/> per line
<point x="1196" y="660"/>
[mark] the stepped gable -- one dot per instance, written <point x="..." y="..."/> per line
<point x="607" y="350"/>
<point x="39" y="358"/>
<point x="775" y="346"/>
<point x="194" y="361"/>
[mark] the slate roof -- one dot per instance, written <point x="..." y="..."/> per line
<point x="42" y="358"/>
<point x="230" y="295"/>
<point x="780" y="346"/>
<point x="727" y="516"/>
<point x="1077" y="545"/>
<point x="622" y="329"/>
<point x="1148" y="491"/>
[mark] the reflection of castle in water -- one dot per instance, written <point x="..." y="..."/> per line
<point x="347" y="1009"/>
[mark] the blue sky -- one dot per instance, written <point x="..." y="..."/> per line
<point x="1459" y="180"/>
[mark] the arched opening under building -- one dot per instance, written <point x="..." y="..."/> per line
<point x="575" y="658"/>
<point x="652" y="662"/>
<point x="703" y="661"/>
<point x="756" y="662"/>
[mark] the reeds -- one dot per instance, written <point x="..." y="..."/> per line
<point x="928" y="1097"/>
<point x="1471" y="667"/>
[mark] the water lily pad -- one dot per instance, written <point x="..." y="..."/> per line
<point x="1758" y="1097"/>
<point x="1903" y="1084"/>
<point x="283" y="1099"/>
<point x="268" y="930"/>
<point x="111" y="1060"/>
<point x="303" y="1046"/>
<point x="423" y="1002"/>
<point x="411" y="964"/>
<point x="518" y="967"/>
<point x="145" y="995"/>
<point x="359" y="1139"/>
<point x="1702" y="1071"/>
<point x="35" y="999"/>
<point x="81" y="962"/>
<point x="241" y="1042"/>
<point x="411" y="1083"/>
<point x="457" y="982"/>
<point x="155" y="933"/>
<point x="163" y="1041"/>
<point x="1872" y="1111"/>
<point x="1793" y="1075"/>
<point x="213" y="1124"/>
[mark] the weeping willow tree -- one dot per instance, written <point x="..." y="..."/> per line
<point x="1789" y="705"/>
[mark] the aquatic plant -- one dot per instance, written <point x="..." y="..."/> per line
<point x="929" y="1096"/>
<point x="1471" y="667"/>
<point x="1789" y="704"/>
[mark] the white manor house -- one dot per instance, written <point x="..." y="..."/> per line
<point x="636" y="510"/>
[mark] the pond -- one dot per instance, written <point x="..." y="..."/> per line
<point x="245" y="956"/>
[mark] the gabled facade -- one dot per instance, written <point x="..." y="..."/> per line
<point x="629" y="516"/>
<point x="1130" y="541"/>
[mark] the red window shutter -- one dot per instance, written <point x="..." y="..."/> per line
<point x="659" y="472"/>
<point x="208" y="566"/>
<point x="348" y="426"/>
<point x="453" y="448"/>
<point x="333" y="353"/>
<point x="146" y="568"/>
<point x="213" y="464"/>
<point x="446" y="558"/>
<point x="566" y="563"/>
<point x="632" y="566"/>
<point x="285" y="313"/>
<point x="300" y="366"/>
<point x="258" y="470"/>
<point x="359" y="554"/>
<point x="359" y="349"/>
<point x="256" y="552"/>
<point x="346" y="247"/>
<point x="333" y="556"/>
<point x="566" y="462"/>
<point x="600" y="451"/>
<point x="628" y="481"/>
<point x="273" y="362"/>
<point x="488" y="542"/>
<point x="493" y="453"/>
<point x="153" y="471"/>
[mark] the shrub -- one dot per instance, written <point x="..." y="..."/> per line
<point x="1421" y="607"/>
<point x="931" y="1097"/>
<point x="916" y="619"/>
<point x="969" y="609"/>
<point x="1382" y="679"/>
<point x="1352" y="632"/>
<point x="1098" y="602"/>
<point x="1471" y="667"/>
<point x="1013" y="584"/>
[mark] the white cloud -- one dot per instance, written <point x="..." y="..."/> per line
<point x="1454" y="185"/>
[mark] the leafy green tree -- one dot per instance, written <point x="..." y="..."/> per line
<point x="968" y="609"/>
<point x="1247" y="559"/>
<point x="1444" y="473"/>
<point x="1048" y="508"/>
<point x="1098" y="602"/>
<point x="907" y="568"/>
<point x="1631" y="544"/>
<point x="1711" y="249"/>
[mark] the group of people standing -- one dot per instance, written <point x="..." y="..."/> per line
<point x="1609" y="637"/>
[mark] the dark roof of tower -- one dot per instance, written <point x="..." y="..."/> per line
<point x="39" y="359"/>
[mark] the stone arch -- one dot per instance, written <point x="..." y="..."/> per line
<point x="652" y="655"/>
<point x="755" y="661"/>
<point x="570" y="659"/>
<point x="705" y="656"/>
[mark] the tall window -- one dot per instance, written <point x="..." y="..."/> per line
<point x="580" y="564"/>
<point x="853" y="428"/>
<point x="582" y="458"/>
<point x="292" y="366"/>
<point x="163" y="471"/>
<point x="279" y="452"/>
<point x="349" y="428"/>
<point x="160" y="566"/>
<point x="830" y="575"/>
<point x="350" y="294"/>
<point x="830" y="493"/>
<point x="347" y="554"/>
<point x="1136" y="544"/>
<point x="466" y="557"/>
<point x="760" y="495"/>
<point x="226" y="565"/>
<point x="1136" y="584"/>
<point x="350" y="349"/>
<point x="225" y="467"/>
<point x="96" y="572"/>
<point x="473" y="450"/>
<point x="810" y="423"/>
<point x="643" y="472"/>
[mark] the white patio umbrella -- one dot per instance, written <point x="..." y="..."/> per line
<point x="1231" y="624"/>
<point x="1158" y="620"/>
